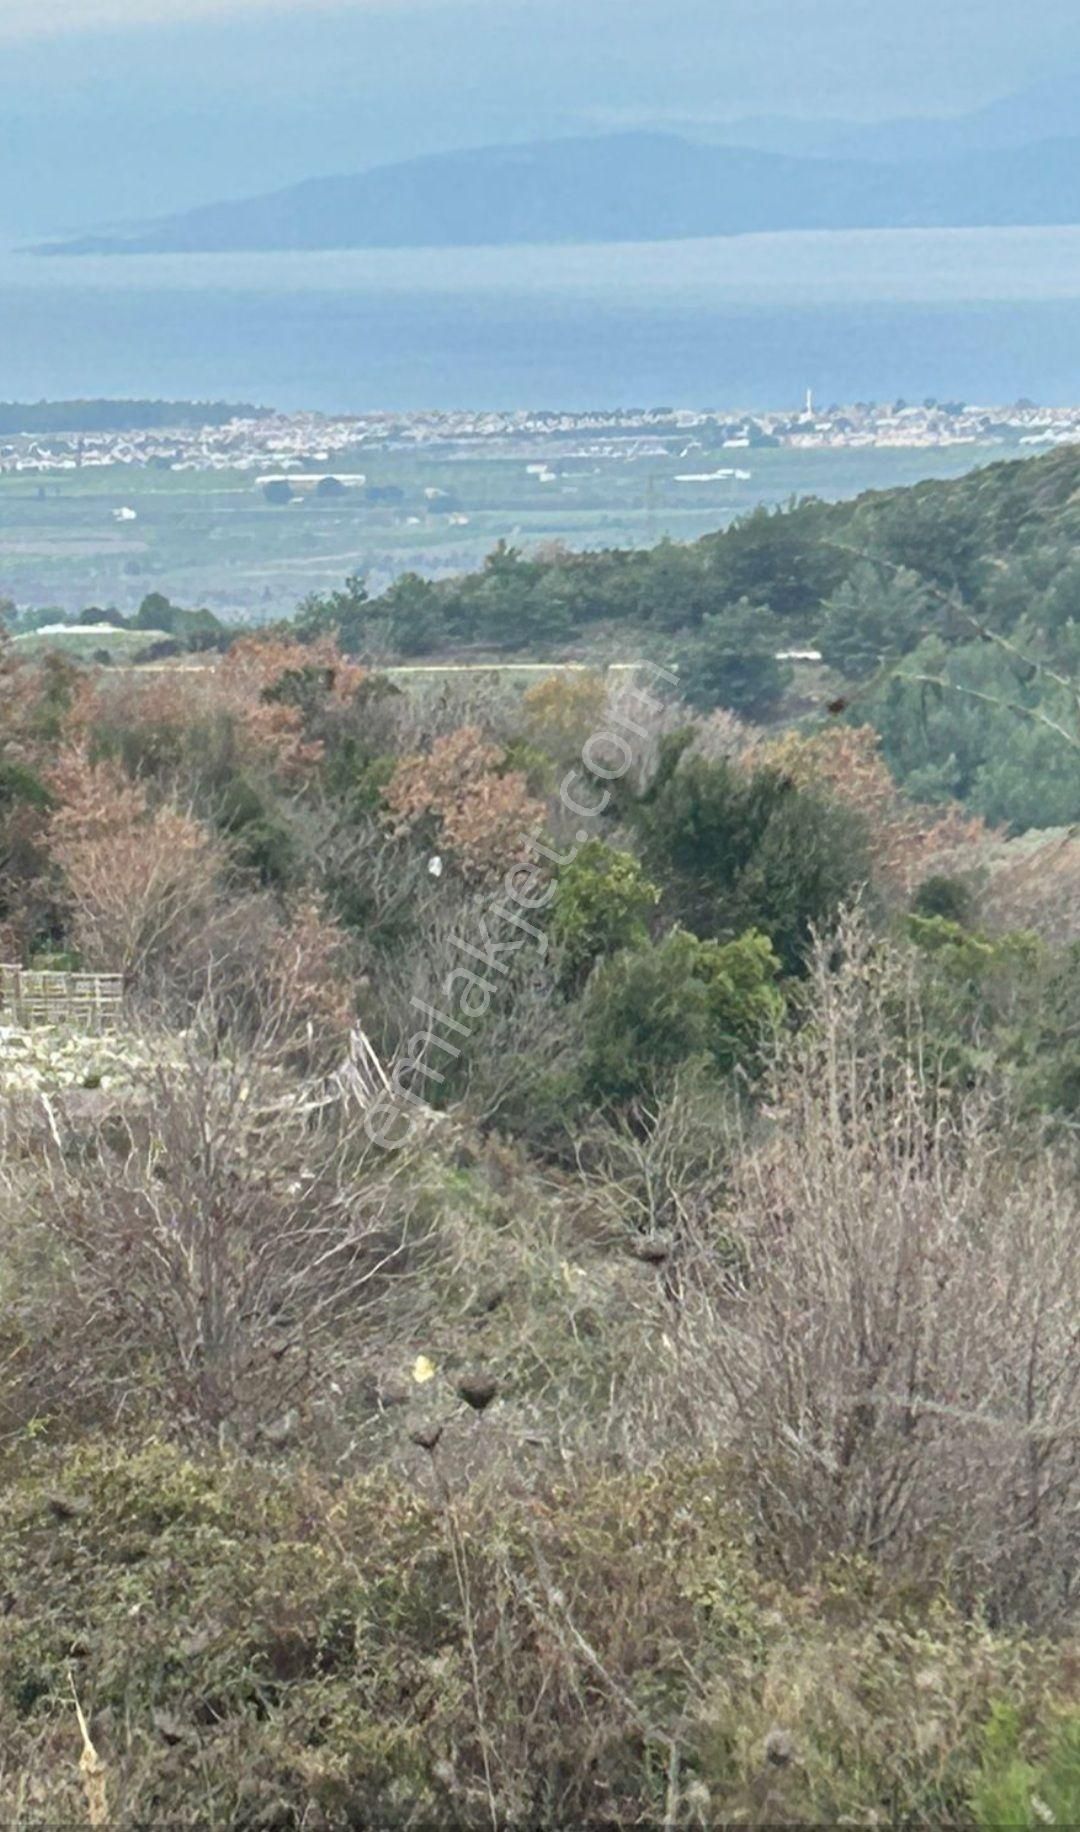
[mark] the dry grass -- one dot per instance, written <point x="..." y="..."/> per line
<point x="262" y="1648"/>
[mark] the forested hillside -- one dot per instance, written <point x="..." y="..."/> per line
<point x="554" y="1298"/>
<point x="975" y="582"/>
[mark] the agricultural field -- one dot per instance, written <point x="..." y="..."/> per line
<point x="88" y="645"/>
<point x="211" y="538"/>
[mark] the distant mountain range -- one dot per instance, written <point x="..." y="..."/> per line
<point x="1045" y="111"/>
<point x="625" y="187"/>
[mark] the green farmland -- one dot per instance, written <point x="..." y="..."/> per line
<point x="211" y="538"/>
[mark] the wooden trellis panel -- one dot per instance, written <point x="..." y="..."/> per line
<point x="79" y="1001"/>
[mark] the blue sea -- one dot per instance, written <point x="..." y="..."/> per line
<point x="981" y="315"/>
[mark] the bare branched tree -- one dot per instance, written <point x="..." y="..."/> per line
<point x="899" y="1370"/>
<point x="660" y="1168"/>
<point x="226" y="1235"/>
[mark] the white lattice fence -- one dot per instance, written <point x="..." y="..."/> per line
<point x="81" y="1001"/>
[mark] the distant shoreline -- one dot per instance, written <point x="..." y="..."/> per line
<point x="44" y="419"/>
<point x="46" y="437"/>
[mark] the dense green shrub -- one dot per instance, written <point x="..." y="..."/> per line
<point x="981" y="999"/>
<point x="652" y="1008"/>
<point x="939" y="895"/>
<point x="21" y="787"/>
<point x="1012" y="1789"/>
<point x="730" y="660"/>
<point x="602" y="903"/>
<point x="262" y="840"/>
<point x="738" y="849"/>
<point x="873" y="617"/>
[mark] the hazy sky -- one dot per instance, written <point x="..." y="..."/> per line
<point x="117" y="108"/>
<point x="43" y="18"/>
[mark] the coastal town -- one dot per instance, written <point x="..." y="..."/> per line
<point x="271" y="444"/>
<point x="246" y="511"/>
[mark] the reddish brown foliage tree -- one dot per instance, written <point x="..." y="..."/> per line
<point x="261" y="693"/>
<point x="136" y="879"/>
<point x="482" y="815"/>
<point x="909" y="840"/>
<point x="307" y="990"/>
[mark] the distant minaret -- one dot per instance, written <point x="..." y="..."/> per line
<point x="809" y="403"/>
